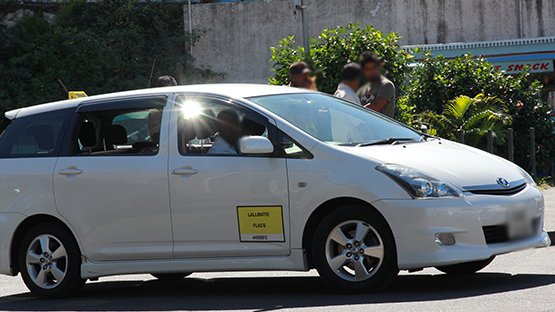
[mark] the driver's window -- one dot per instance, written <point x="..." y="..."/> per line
<point x="212" y="127"/>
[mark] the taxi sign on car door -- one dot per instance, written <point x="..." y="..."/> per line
<point x="260" y="223"/>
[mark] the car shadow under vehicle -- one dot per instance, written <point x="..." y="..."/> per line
<point x="270" y="293"/>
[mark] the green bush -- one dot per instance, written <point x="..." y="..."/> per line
<point x="436" y="81"/>
<point x="475" y="116"/>
<point x="336" y="47"/>
<point x="103" y="47"/>
<point x="432" y="85"/>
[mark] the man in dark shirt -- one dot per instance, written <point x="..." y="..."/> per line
<point x="379" y="93"/>
<point x="300" y="76"/>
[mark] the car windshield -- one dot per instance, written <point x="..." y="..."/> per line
<point x="335" y="121"/>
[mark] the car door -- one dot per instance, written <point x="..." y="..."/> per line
<point x="111" y="184"/>
<point x="224" y="205"/>
<point x="29" y="147"/>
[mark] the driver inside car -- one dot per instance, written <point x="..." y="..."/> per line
<point x="229" y="133"/>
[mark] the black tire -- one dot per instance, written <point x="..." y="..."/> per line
<point x="171" y="277"/>
<point x="466" y="268"/>
<point x="72" y="282"/>
<point x="384" y="275"/>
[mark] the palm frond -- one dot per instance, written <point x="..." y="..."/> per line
<point x="458" y="107"/>
<point x="482" y="117"/>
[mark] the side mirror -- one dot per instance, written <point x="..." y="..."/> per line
<point x="255" y="145"/>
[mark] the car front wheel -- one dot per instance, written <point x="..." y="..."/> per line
<point x="50" y="262"/>
<point x="354" y="250"/>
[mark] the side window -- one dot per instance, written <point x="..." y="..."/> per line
<point x="34" y="136"/>
<point x="291" y="149"/>
<point x="125" y="131"/>
<point x="213" y="127"/>
<point x="4" y="123"/>
<point x="140" y="126"/>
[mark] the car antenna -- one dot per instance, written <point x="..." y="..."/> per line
<point x="151" y="72"/>
<point x="63" y="86"/>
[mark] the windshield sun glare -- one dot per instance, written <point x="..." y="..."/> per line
<point x="335" y="121"/>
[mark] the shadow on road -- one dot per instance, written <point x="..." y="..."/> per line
<point x="267" y="293"/>
<point x="552" y="237"/>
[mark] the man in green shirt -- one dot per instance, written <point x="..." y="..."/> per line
<point x="379" y="93"/>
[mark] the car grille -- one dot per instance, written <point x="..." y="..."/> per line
<point x="507" y="191"/>
<point x="500" y="234"/>
<point x="496" y="234"/>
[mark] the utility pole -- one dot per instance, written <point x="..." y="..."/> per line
<point x="520" y="19"/>
<point x="300" y="5"/>
<point x="190" y="8"/>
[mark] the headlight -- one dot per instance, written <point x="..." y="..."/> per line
<point x="418" y="184"/>
<point x="528" y="178"/>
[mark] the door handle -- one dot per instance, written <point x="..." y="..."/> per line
<point x="184" y="171"/>
<point x="70" y="171"/>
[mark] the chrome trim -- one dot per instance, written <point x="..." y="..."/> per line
<point x="504" y="183"/>
<point x="494" y="186"/>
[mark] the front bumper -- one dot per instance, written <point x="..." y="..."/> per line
<point x="415" y="222"/>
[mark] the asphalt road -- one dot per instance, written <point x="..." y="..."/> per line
<point x="522" y="281"/>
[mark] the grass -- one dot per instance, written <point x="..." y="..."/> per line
<point x="546" y="182"/>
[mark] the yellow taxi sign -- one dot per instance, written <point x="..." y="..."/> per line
<point x="261" y="223"/>
<point x="76" y="94"/>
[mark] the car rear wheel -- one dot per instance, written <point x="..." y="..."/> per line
<point x="170" y="277"/>
<point x="466" y="268"/>
<point x="354" y="250"/>
<point x="50" y="262"/>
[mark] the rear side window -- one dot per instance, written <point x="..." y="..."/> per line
<point x="34" y="136"/>
<point x="124" y="127"/>
<point x="4" y="123"/>
<point x="140" y="126"/>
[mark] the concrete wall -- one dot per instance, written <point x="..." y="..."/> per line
<point x="238" y="35"/>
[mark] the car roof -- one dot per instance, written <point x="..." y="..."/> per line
<point x="236" y="91"/>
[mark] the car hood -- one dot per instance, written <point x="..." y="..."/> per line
<point x="463" y="166"/>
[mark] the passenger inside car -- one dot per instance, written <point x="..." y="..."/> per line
<point x="118" y="132"/>
<point x="211" y="127"/>
<point x="229" y="133"/>
<point x="154" y="123"/>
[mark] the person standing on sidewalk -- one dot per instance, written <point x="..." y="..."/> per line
<point x="300" y="76"/>
<point x="165" y="81"/>
<point x="350" y="83"/>
<point x="379" y="93"/>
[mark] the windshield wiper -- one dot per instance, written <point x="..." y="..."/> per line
<point x="390" y="141"/>
<point x="425" y="137"/>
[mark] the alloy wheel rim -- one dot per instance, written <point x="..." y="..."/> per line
<point x="46" y="261"/>
<point x="354" y="250"/>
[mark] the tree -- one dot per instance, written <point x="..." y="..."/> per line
<point x="102" y="47"/>
<point x="336" y="47"/>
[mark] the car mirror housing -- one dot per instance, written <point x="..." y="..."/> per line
<point x="255" y="145"/>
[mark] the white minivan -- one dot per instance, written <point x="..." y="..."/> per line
<point x="220" y="177"/>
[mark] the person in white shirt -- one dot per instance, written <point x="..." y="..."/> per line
<point x="350" y="83"/>
<point x="229" y="133"/>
